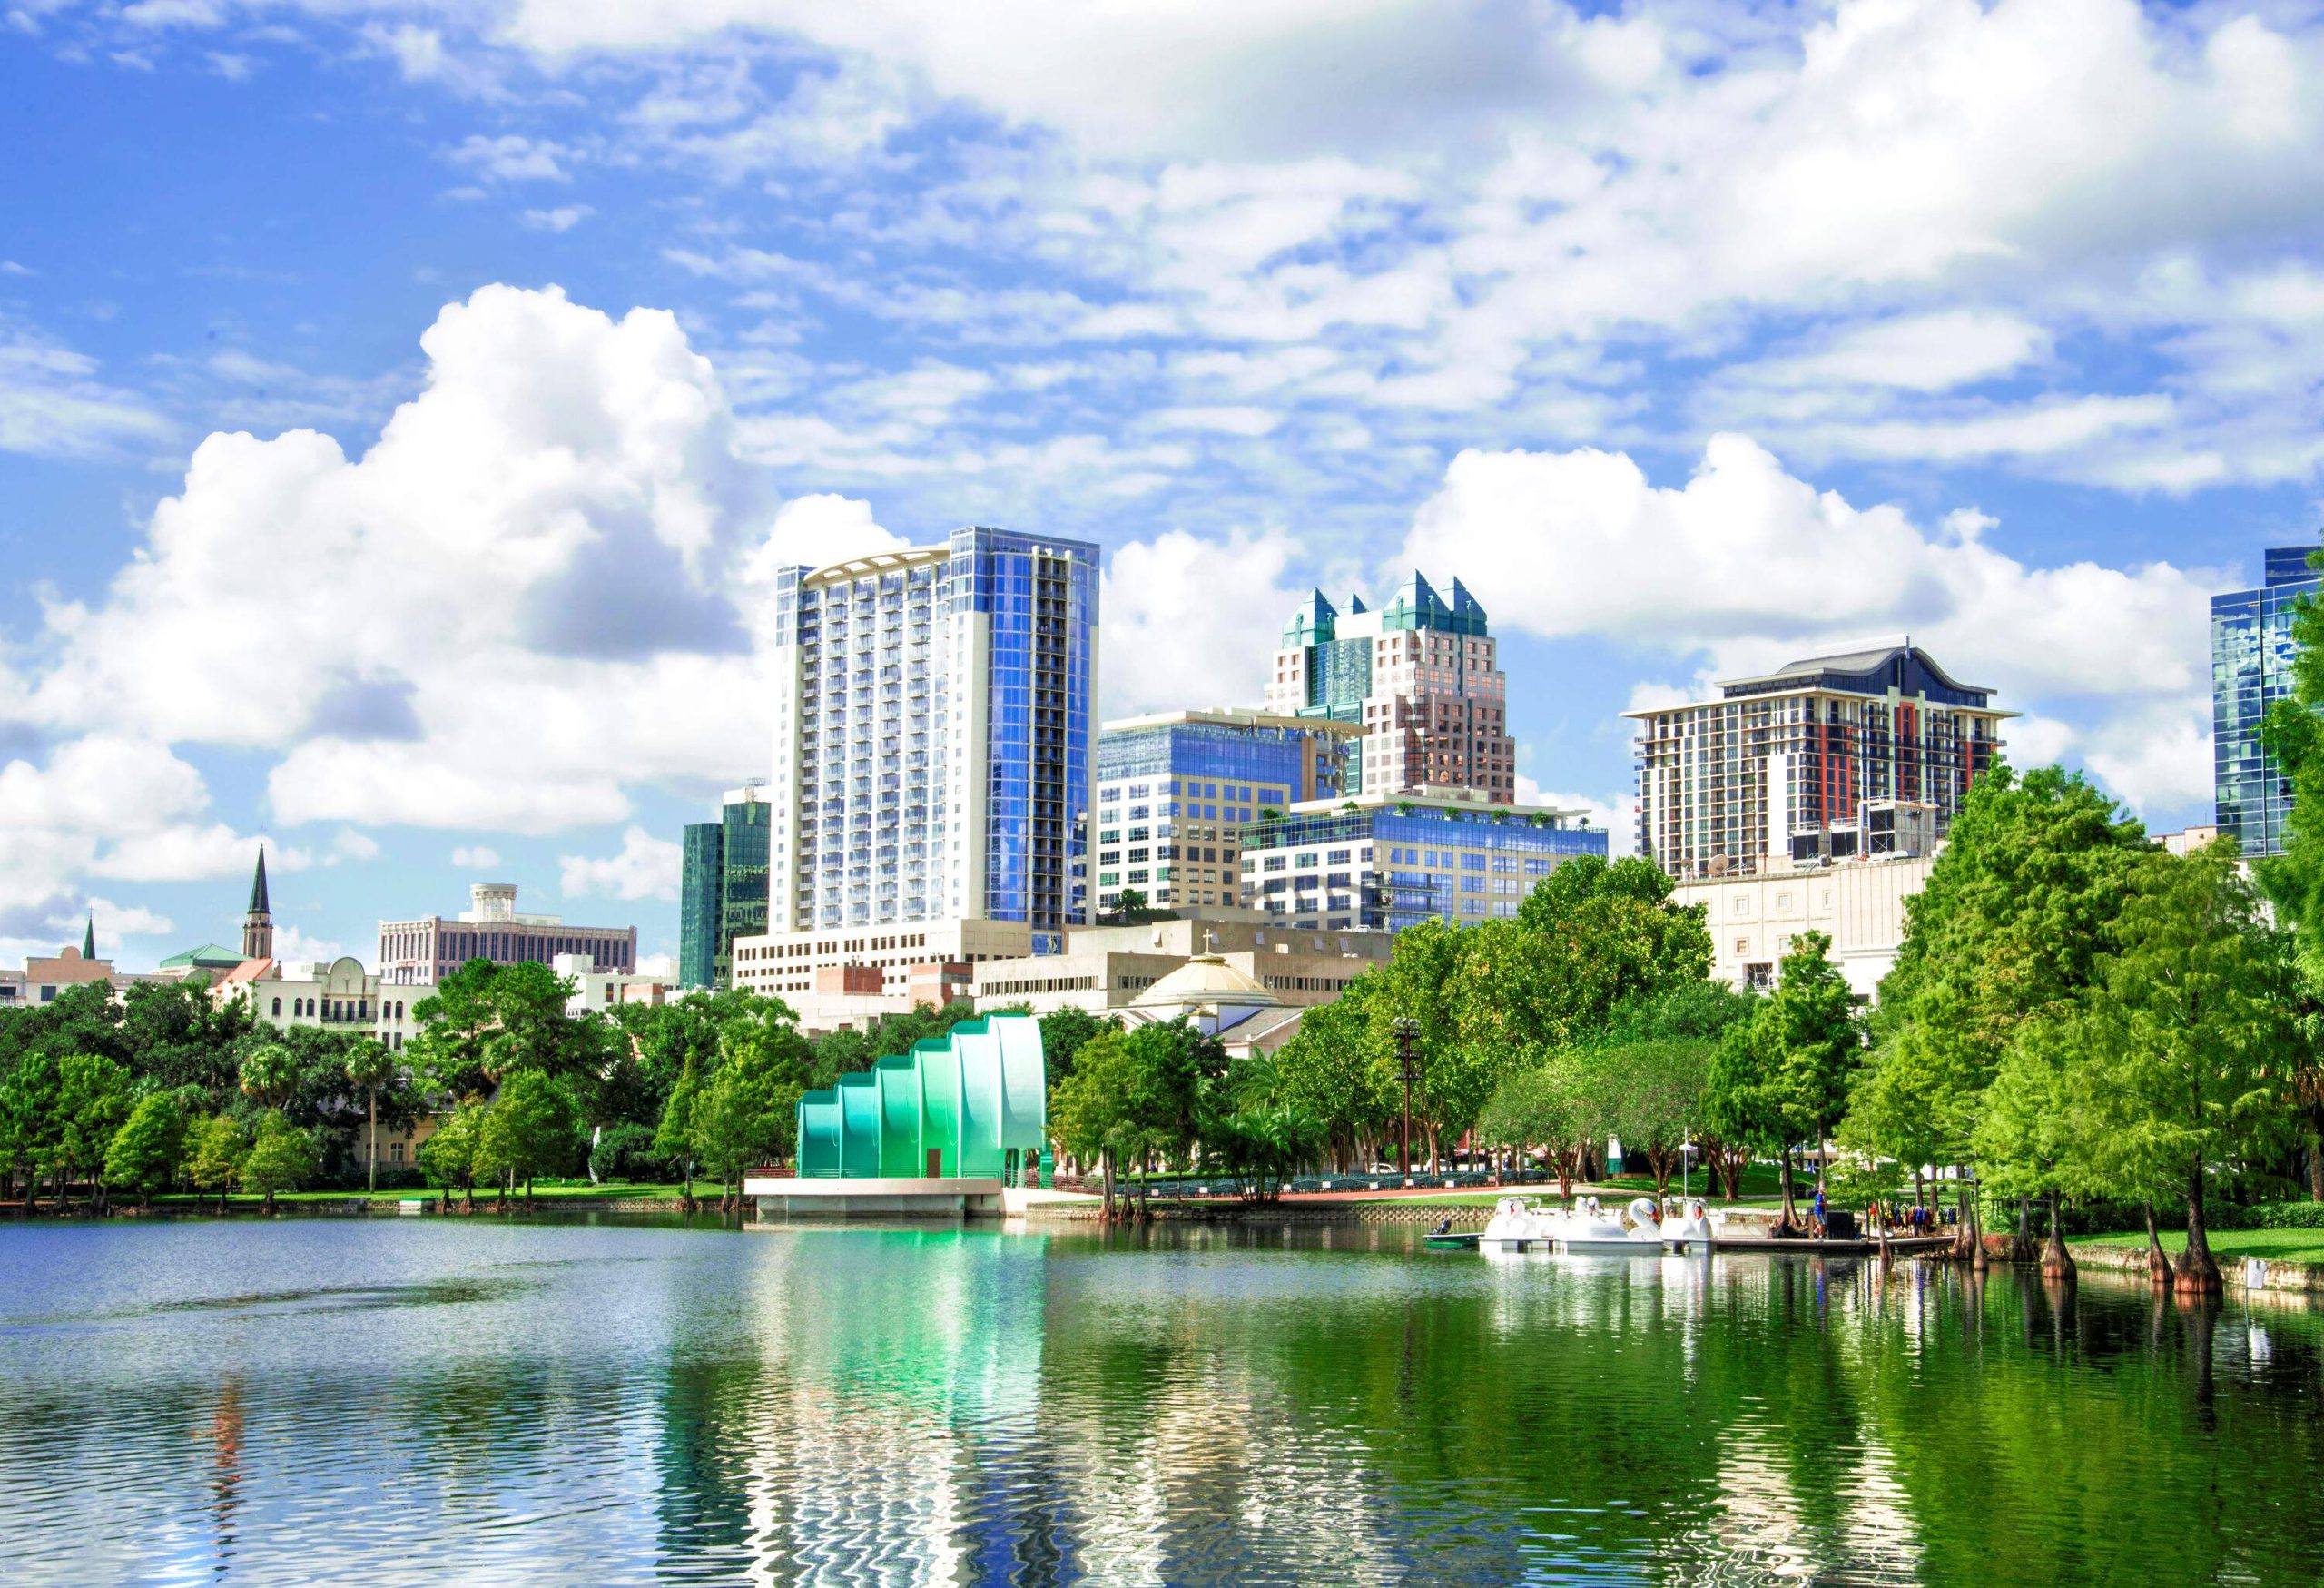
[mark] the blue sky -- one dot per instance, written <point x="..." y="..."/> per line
<point x="401" y="404"/>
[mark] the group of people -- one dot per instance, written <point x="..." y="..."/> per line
<point x="1912" y="1219"/>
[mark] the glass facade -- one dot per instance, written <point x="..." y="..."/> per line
<point x="1390" y="866"/>
<point x="2251" y="656"/>
<point x="702" y="848"/>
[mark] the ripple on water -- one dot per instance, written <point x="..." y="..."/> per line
<point x="502" y="1402"/>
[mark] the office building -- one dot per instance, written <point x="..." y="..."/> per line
<point x="2251" y="657"/>
<point x="1418" y="676"/>
<point x="1175" y="792"/>
<point x="722" y="891"/>
<point x="1107" y="970"/>
<point x="338" y="995"/>
<point x="1858" y="752"/>
<point x="933" y="744"/>
<point x="1754" y="918"/>
<point x="1396" y="860"/>
<point x="844" y="977"/>
<point x="412" y="952"/>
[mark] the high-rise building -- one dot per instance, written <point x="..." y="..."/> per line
<point x="1419" y="676"/>
<point x="415" y="952"/>
<point x="1177" y="790"/>
<point x="2251" y="656"/>
<point x="1867" y="751"/>
<point x="1388" y="861"/>
<point x="933" y="736"/>
<point x="721" y="889"/>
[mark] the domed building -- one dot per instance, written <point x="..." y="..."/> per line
<point x="1207" y="991"/>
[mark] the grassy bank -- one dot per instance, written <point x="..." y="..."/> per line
<point x="2292" y="1246"/>
<point x="543" y="1191"/>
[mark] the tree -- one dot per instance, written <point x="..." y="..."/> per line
<point x="746" y="1116"/>
<point x="1783" y="1078"/>
<point x="2194" y="1020"/>
<point x="1064" y="1030"/>
<point x="91" y="1103"/>
<point x="674" y="1134"/>
<point x="1653" y="1096"/>
<point x="2036" y="1136"/>
<point x="486" y="1021"/>
<point x="1335" y="1069"/>
<point x="282" y="1157"/>
<point x="214" y="1148"/>
<point x="1541" y="1103"/>
<point x="447" y="1158"/>
<point x="30" y="1126"/>
<point x="1135" y="1097"/>
<point x="145" y="1151"/>
<point x="528" y="1130"/>
<point x="371" y="1066"/>
<point x="1088" y="1110"/>
<point x="269" y="1075"/>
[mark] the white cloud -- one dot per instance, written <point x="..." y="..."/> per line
<point x="476" y="857"/>
<point x="512" y="157"/>
<point x="351" y="844"/>
<point x="646" y="868"/>
<point x="1749" y="566"/>
<point x="1615" y="815"/>
<point x="564" y="218"/>
<point x="51" y="403"/>
<point x="664" y="966"/>
<point x="1188" y="621"/>
<point x="295" y="948"/>
<point x="116" y="922"/>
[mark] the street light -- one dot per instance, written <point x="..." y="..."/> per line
<point x="1407" y="1031"/>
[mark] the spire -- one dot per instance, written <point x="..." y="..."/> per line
<point x="258" y="920"/>
<point x="89" y="938"/>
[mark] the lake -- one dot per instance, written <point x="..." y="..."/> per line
<point x="484" y="1401"/>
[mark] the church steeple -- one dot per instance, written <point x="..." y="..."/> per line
<point x="89" y="938"/>
<point x="258" y="920"/>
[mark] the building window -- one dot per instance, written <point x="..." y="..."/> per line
<point x="278" y="1009"/>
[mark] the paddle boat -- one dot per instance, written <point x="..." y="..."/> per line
<point x="1517" y="1226"/>
<point x="1690" y="1229"/>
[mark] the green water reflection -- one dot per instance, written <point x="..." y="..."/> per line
<point x="610" y="1403"/>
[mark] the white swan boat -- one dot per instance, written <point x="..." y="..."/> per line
<point x="1518" y="1226"/>
<point x="1690" y="1229"/>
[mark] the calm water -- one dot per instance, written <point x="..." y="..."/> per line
<point x="474" y="1402"/>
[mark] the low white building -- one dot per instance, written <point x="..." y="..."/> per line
<point x="341" y="996"/>
<point x="601" y="990"/>
<point x="1859" y="904"/>
<point x="1107" y="969"/>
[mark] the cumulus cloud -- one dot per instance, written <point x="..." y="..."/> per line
<point x="645" y="868"/>
<point x="476" y="857"/>
<point x="551" y="538"/>
<point x="1746" y="566"/>
<point x="1186" y="621"/>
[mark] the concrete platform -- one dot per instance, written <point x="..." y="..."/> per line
<point x="785" y="1198"/>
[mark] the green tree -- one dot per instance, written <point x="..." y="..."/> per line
<point x="370" y="1066"/>
<point x="2194" y="1018"/>
<point x="1063" y="1032"/>
<point x="2037" y="1134"/>
<point x="1335" y="1069"/>
<point x="1135" y="1097"/>
<point x="1782" y="1079"/>
<point x="745" y="1116"/>
<point x="1542" y="1105"/>
<point x="528" y="1130"/>
<point x="31" y="1126"/>
<point x="93" y="1100"/>
<point x="1653" y="1098"/>
<point x="281" y="1157"/>
<point x="214" y="1148"/>
<point x="447" y="1158"/>
<point x="674" y="1133"/>
<point x="145" y="1152"/>
<point x="269" y="1074"/>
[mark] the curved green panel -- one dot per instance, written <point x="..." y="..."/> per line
<point x="980" y="1054"/>
<point x="1024" y="1076"/>
<point x="819" y="1133"/>
<point x="970" y="1098"/>
<point x="859" y="1103"/>
<point x="939" y="1100"/>
<point x="899" y="1079"/>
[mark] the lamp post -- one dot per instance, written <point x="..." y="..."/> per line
<point x="1407" y="1065"/>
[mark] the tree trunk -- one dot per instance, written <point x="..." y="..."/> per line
<point x="1105" y="1177"/>
<point x="1973" y="1218"/>
<point x="528" y="1193"/>
<point x="1790" y="1223"/>
<point x="2057" y="1263"/>
<point x="2021" y="1249"/>
<point x="269" y="1201"/>
<point x="2316" y="1155"/>
<point x="2197" y="1272"/>
<point x="2158" y="1265"/>
<point x="375" y="1140"/>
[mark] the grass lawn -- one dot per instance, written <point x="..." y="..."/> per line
<point x="543" y="1191"/>
<point x="2296" y="1245"/>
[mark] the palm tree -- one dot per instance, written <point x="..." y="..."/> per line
<point x="270" y="1074"/>
<point x="370" y="1066"/>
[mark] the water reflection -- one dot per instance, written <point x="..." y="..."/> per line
<point x="627" y="1404"/>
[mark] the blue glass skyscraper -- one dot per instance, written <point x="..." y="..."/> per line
<point x="2252" y="653"/>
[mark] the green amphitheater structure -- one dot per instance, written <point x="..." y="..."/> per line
<point x="968" y="1105"/>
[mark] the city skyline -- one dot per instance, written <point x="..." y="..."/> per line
<point x="412" y="509"/>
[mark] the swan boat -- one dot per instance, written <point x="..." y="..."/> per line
<point x="1518" y="1226"/>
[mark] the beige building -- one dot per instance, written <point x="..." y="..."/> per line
<point x="1111" y="968"/>
<point x="341" y="996"/>
<point x="843" y="977"/>
<point x="1859" y="904"/>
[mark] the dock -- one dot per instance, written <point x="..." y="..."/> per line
<point x="1898" y="1245"/>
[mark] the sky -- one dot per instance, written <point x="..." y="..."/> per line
<point x="403" y="405"/>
